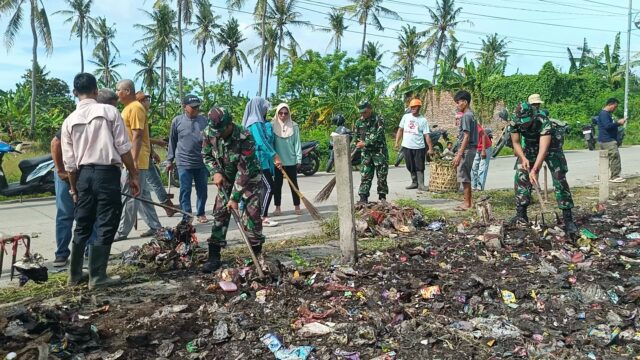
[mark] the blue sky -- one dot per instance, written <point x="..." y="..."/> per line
<point x="541" y="31"/>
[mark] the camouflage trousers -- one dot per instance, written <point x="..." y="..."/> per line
<point x="557" y="164"/>
<point x="374" y="163"/>
<point x="250" y="219"/>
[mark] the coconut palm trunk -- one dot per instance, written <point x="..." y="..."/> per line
<point x="180" y="49"/>
<point x="279" y="50"/>
<point x="264" y="16"/>
<point x="34" y="65"/>
<point x="364" y="34"/>
<point x="230" y="84"/>
<point x="438" y="50"/>
<point x="81" y="49"/>
<point x="163" y="81"/>
<point x="204" y="86"/>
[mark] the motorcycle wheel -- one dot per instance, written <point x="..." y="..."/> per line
<point x="592" y="145"/>
<point x="314" y="165"/>
<point x="330" y="162"/>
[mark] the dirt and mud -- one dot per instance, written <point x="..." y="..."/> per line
<point x="440" y="293"/>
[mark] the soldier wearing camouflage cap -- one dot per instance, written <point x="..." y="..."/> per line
<point x="542" y="139"/>
<point x="370" y="138"/>
<point x="230" y="155"/>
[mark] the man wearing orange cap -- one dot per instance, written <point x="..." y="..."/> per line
<point x="414" y="131"/>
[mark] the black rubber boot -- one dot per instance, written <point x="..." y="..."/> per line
<point x="382" y="197"/>
<point x="213" y="263"/>
<point x="414" y="182"/>
<point x="364" y="199"/>
<point x="76" y="275"/>
<point x="521" y="216"/>
<point x="257" y="249"/>
<point x="569" y="225"/>
<point x="98" y="261"/>
<point x="421" y="185"/>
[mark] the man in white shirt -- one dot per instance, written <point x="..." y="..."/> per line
<point x="414" y="132"/>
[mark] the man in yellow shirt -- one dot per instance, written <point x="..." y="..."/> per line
<point x="135" y="120"/>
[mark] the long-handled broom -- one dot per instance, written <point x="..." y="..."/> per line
<point x="313" y="211"/>
<point x="326" y="191"/>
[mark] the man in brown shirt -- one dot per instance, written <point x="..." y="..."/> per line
<point x="94" y="147"/>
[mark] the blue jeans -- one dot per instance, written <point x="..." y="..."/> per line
<point x="187" y="177"/>
<point x="480" y="169"/>
<point x="64" y="218"/>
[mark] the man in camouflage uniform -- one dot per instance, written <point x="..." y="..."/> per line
<point x="537" y="139"/>
<point x="370" y="138"/>
<point x="229" y="154"/>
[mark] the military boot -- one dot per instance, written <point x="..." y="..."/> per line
<point x="364" y="199"/>
<point x="382" y="197"/>
<point x="421" y="185"/>
<point x="414" y="182"/>
<point x="213" y="262"/>
<point x="98" y="261"/>
<point x="569" y="225"/>
<point x="76" y="275"/>
<point x="521" y="216"/>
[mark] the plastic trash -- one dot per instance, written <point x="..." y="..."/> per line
<point x="228" y="286"/>
<point x="435" y="226"/>
<point x="347" y="355"/>
<point x="508" y="297"/>
<point x="633" y="236"/>
<point x="281" y="353"/>
<point x="430" y="292"/>
<point x="588" y="234"/>
<point x="314" y="329"/>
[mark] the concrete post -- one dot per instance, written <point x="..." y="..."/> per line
<point x="603" y="174"/>
<point x="346" y="213"/>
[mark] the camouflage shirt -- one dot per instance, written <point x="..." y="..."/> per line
<point x="371" y="132"/>
<point x="530" y="133"/>
<point x="234" y="158"/>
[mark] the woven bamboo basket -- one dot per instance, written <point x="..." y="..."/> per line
<point x="442" y="177"/>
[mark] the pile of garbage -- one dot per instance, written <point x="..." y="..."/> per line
<point x="438" y="294"/>
<point x="387" y="219"/>
<point x="170" y="249"/>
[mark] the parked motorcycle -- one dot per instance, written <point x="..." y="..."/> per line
<point x="438" y="147"/>
<point x="339" y="121"/>
<point x="504" y="138"/>
<point x="310" y="158"/>
<point x="589" y="133"/>
<point x="36" y="174"/>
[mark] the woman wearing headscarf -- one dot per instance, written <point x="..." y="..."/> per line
<point x="288" y="148"/>
<point x="255" y="114"/>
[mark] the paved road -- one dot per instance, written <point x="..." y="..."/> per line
<point x="37" y="217"/>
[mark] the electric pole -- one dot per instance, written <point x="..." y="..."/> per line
<point x="626" y="76"/>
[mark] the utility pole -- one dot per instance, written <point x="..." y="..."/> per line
<point x="626" y="76"/>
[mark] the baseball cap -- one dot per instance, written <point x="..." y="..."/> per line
<point x="191" y="100"/>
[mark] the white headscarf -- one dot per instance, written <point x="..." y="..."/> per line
<point x="282" y="129"/>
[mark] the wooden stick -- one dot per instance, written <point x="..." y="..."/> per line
<point x="158" y="204"/>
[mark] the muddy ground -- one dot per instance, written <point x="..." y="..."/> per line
<point x="436" y="294"/>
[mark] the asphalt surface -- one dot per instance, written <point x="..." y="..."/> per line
<point x="37" y="217"/>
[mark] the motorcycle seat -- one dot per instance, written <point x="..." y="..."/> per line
<point x="30" y="164"/>
<point x="308" y="144"/>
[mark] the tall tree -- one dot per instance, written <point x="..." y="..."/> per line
<point x="260" y="14"/>
<point x="231" y="57"/>
<point x="81" y="23"/>
<point x="410" y="51"/>
<point x="337" y="28"/>
<point x="282" y="15"/>
<point x="40" y="29"/>
<point x="104" y="35"/>
<point x="493" y="49"/>
<point x="366" y="10"/>
<point x="270" y="53"/>
<point x="148" y="63"/>
<point x="204" y="33"/>
<point x="106" y="66"/>
<point x="185" y="13"/>
<point x="161" y="38"/>
<point x="445" y="20"/>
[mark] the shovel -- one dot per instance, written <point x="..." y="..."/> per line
<point x="543" y="205"/>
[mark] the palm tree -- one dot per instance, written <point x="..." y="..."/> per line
<point x="160" y="37"/>
<point x="40" y="29"/>
<point x="373" y="51"/>
<point x="82" y="23"/>
<point x="337" y="27"/>
<point x="282" y="14"/>
<point x="204" y="33"/>
<point x="365" y="9"/>
<point x="148" y="72"/>
<point x="493" y="49"/>
<point x="449" y="65"/>
<point x="104" y="35"/>
<point x="442" y="31"/>
<point x="269" y="55"/>
<point x="260" y="14"/>
<point x="185" y="12"/>
<point x="105" y="71"/>
<point x="410" y="51"/>
<point x="231" y="58"/>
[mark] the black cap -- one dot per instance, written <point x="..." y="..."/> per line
<point x="191" y="100"/>
<point x="363" y="105"/>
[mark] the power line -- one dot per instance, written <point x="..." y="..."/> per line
<point x="539" y="11"/>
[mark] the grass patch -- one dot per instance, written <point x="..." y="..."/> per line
<point x="56" y="285"/>
<point x="428" y="213"/>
